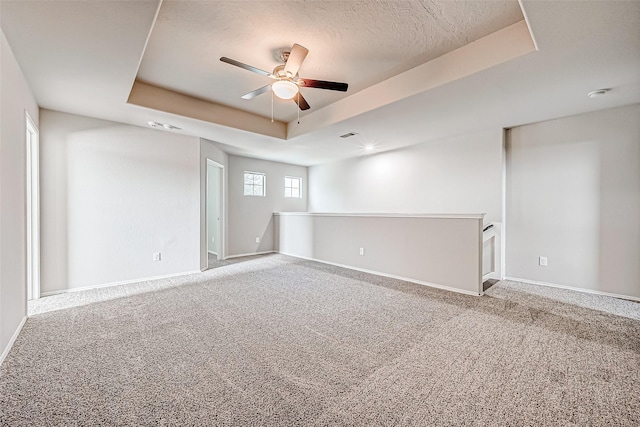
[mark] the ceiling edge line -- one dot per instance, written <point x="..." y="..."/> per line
<point x="146" y="43"/>
<point x="526" y="19"/>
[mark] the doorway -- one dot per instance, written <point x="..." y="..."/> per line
<point x="33" y="209"/>
<point x="215" y="213"/>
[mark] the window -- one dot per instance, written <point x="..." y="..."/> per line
<point x="292" y="187"/>
<point x="254" y="184"/>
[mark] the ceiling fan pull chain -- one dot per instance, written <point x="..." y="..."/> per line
<point x="271" y="106"/>
<point x="298" y="107"/>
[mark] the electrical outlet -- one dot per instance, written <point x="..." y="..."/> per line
<point x="257" y="240"/>
<point x="542" y="261"/>
<point x="157" y="256"/>
<point x="361" y="251"/>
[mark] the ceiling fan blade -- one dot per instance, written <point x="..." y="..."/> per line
<point x="323" y="84"/>
<point x="245" y="66"/>
<point x="302" y="103"/>
<point x="257" y="92"/>
<point x="296" y="56"/>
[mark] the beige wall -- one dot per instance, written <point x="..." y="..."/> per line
<point x="437" y="251"/>
<point x="250" y="216"/>
<point x="573" y="196"/>
<point x="15" y="99"/>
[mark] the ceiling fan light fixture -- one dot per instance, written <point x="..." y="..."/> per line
<point x="284" y="89"/>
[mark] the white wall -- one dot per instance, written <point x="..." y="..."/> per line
<point x="455" y="175"/>
<point x="250" y="216"/>
<point x="111" y="196"/>
<point x="573" y="195"/>
<point x="15" y="99"/>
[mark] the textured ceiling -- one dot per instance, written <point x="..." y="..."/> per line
<point x="82" y="57"/>
<point x="361" y="42"/>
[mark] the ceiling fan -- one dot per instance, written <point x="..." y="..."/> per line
<point x="287" y="82"/>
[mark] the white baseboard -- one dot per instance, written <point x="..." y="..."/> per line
<point x="124" y="282"/>
<point x="378" y="273"/>
<point x="12" y="340"/>
<point x="250" y="254"/>
<point x="571" y="288"/>
<point x="491" y="275"/>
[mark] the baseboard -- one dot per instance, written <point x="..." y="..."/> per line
<point x="571" y="288"/>
<point x="492" y="275"/>
<point x="250" y="254"/>
<point x="125" y="282"/>
<point x="7" y="349"/>
<point x="391" y="276"/>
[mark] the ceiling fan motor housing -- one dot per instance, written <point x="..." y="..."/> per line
<point x="282" y="75"/>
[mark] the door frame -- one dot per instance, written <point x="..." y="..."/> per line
<point x="221" y="197"/>
<point x="32" y="192"/>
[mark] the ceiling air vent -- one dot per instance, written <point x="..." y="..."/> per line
<point x="348" y="135"/>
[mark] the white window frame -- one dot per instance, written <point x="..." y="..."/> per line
<point x="299" y="196"/>
<point x="264" y="184"/>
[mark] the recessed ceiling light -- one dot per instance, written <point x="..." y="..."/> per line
<point x="162" y="125"/>
<point x="368" y="148"/>
<point x="597" y="93"/>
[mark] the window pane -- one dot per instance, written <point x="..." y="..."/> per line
<point x="254" y="183"/>
<point x="287" y="192"/>
<point x="295" y="192"/>
<point x="287" y="182"/>
<point x="295" y="183"/>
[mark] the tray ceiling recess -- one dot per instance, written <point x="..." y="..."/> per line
<point x="386" y="50"/>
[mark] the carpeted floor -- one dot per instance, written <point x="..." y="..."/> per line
<point x="278" y="341"/>
<point x="213" y="261"/>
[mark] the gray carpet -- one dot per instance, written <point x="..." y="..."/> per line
<point x="213" y="261"/>
<point x="279" y="341"/>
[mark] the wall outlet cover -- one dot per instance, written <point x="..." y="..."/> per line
<point x="257" y="240"/>
<point x="542" y="261"/>
<point x="157" y="256"/>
